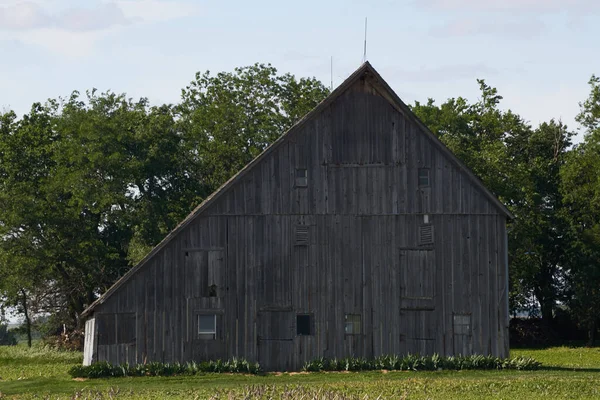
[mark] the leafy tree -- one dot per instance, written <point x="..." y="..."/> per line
<point x="24" y="162"/>
<point x="7" y="338"/>
<point x="538" y="235"/>
<point x="521" y="166"/>
<point x="581" y="190"/>
<point x="229" y="118"/>
<point x="89" y="184"/>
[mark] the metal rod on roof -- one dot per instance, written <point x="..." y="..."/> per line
<point x="365" y="48"/>
<point x="331" y="73"/>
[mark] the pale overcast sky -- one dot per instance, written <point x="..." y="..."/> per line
<point x="538" y="53"/>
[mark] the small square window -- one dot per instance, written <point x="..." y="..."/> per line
<point x="301" y="177"/>
<point x="352" y="324"/>
<point x="462" y="324"/>
<point x="207" y="327"/>
<point x="423" y="177"/>
<point x="303" y="325"/>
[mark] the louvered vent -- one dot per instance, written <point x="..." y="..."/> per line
<point x="425" y="234"/>
<point x="301" y="235"/>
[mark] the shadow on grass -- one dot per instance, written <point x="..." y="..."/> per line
<point x="572" y="344"/>
<point x="37" y="385"/>
<point x="570" y="369"/>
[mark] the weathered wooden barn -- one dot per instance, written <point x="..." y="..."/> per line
<point x="356" y="233"/>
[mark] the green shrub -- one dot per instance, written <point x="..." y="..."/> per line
<point x="7" y="338"/>
<point x="414" y="362"/>
<point x="104" y="369"/>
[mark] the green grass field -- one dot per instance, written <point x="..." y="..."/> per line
<point x="568" y="373"/>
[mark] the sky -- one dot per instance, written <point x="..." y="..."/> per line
<point x="540" y="54"/>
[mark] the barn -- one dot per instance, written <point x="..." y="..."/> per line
<point x="356" y="233"/>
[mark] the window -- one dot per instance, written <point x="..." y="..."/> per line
<point x="303" y="325"/>
<point x="301" y="177"/>
<point x="207" y="327"/>
<point x="352" y="324"/>
<point x="423" y="177"/>
<point x="462" y="324"/>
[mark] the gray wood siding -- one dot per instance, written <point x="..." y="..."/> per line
<point x="363" y="208"/>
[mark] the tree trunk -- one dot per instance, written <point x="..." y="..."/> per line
<point x="547" y="308"/>
<point x="76" y="307"/>
<point x="545" y="294"/>
<point x="27" y="318"/>
<point x="546" y="304"/>
<point x="592" y="333"/>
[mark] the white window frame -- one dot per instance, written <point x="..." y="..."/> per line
<point x="352" y="323"/>
<point x="424" y="173"/>
<point x="461" y="324"/>
<point x="205" y="334"/>
<point x="301" y="181"/>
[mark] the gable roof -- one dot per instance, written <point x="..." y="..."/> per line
<point x="365" y="70"/>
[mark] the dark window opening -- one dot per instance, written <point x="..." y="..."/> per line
<point x="423" y="177"/>
<point x="301" y="177"/>
<point x="303" y="325"/>
<point x="212" y="291"/>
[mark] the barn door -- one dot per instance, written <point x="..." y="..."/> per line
<point x="417" y="279"/>
<point x="417" y="283"/>
<point x="205" y="270"/>
<point x="419" y="331"/>
<point x="275" y="339"/>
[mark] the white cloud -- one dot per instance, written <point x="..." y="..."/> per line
<point x="443" y="73"/>
<point x="157" y="10"/>
<point x="66" y="43"/>
<point x="23" y="16"/>
<point x="535" y="6"/>
<point x="520" y="29"/>
<point x="68" y="28"/>
<point x="29" y="15"/>
<point x="102" y="17"/>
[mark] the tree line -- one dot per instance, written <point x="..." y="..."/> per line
<point x="91" y="182"/>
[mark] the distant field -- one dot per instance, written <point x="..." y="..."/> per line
<point x="570" y="373"/>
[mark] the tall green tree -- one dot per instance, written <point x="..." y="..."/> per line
<point x="90" y="183"/>
<point x="229" y="118"/>
<point x="581" y="190"/>
<point x="25" y="159"/>
<point x="521" y="166"/>
<point x="539" y="233"/>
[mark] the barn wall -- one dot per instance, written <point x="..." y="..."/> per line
<point x="362" y="208"/>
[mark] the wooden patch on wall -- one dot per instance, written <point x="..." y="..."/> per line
<point x="417" y="279"/>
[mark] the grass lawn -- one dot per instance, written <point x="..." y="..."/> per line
<point x="569" y="373"/>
